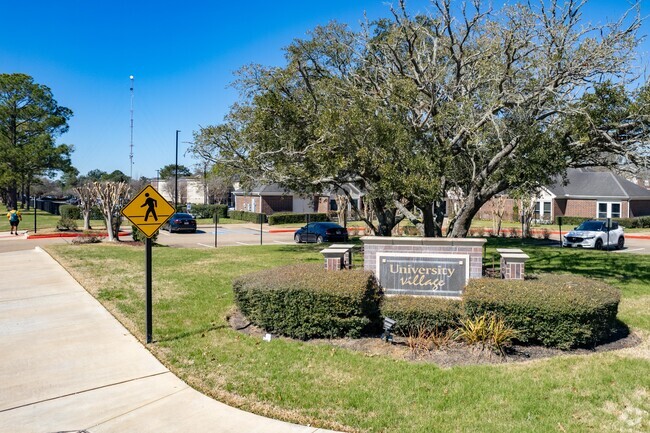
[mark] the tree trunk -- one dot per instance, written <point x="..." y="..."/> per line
<point x="411" y="217"/>
<point x="459" y="227"/>
<point x="386" y="216"/>
<point x="13" y="196"/>
<point x="28" y="188"/>
<point x="86" y="214"/>
<point x="433" y="216"/>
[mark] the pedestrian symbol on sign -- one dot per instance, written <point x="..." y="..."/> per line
<point x="151" y="204"/>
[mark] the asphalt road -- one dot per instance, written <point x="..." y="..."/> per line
<point x="235" y="235"/>
<point x="230" y="235"/>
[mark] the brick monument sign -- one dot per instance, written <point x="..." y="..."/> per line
<point x="423" y="266"/>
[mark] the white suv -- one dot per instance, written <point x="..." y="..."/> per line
<point x="593" y="234"/>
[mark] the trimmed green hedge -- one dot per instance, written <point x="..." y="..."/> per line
<point x="68" y="211"/>
<point x="571" y="221"/>
<point x="208" y="210"/>
<point x="414" y="313"/>
<point x="96" y="213"/>
<point x="634" y="223"/>
<point x="631" y="223"/>
<point x="253" y="217"/>
<point x="306" y="301"/>
<point x="563" y="311"/>
<point x="290" y="217"/>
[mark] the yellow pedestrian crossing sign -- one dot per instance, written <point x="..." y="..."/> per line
<point x="148" y="211"/>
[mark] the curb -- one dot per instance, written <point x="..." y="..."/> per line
<point x="287" y="230"/>
<point x="70" y="235"/>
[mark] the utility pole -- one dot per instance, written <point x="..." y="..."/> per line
<point x="131" y="154"/>
<point x="176" y="175"/>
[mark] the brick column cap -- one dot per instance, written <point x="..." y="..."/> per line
<point x="509" y="250"/>
<point x="513" y="257"/>
<point x="413" y="240"/>
<point x="333" y="253"/>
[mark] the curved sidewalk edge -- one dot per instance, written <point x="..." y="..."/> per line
<point x="69" y="365"/>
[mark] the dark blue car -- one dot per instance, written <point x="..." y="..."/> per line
<point x="321" y="232"/>
<point x="180" y="222"/>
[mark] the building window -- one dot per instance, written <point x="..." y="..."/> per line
<point x="543" y="210"/>
<point x="609" y="209"/>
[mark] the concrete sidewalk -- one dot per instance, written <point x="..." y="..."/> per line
<point x="66" y="364"/>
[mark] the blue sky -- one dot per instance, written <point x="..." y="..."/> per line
<point x="182" y="55"/>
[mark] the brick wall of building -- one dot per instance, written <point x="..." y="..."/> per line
<point x="639" y="208"/>
<point x="485" y="212"/>
<point x="276" y="203"/>
<point x="322" y="204"/>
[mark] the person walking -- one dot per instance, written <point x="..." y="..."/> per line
<point x="14" y="218"/>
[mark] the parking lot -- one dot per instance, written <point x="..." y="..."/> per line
<point x="231" y="235"/>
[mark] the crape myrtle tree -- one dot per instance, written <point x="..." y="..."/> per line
<point x="467" y="100"/>
<point x="111" y="197"/>
<point x="30" y="121"/>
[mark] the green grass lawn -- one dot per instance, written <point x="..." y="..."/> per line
<point x="44" y="221"/>
<point x="345" y="390"/>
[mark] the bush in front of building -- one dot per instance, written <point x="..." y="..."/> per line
<point x="562" y="311"/>
<point x="208" y="210"/>
<point x="413" y="314"/>
<point x="630" y="223"/>
<point x="69" y="211"/>
<point x="252" y="217"/>
<point x="298" y="218"/>
<point x="306" y="301"/>
<point x="634" y="223"/>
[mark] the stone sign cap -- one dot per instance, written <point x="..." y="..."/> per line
<point x="337" y="246"/>
<point x="515" y="257"/>
<point x="509" y="250"/>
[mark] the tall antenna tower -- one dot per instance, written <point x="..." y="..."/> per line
<point x="131" y="154"/>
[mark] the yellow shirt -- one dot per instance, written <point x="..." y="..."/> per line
<point x="20" y="217"/>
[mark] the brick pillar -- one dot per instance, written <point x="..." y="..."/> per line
<point x="333" y="263"/>
<point x="347" y="257"/>
<point x="334" y="258"/>
<point x="513" y="265"/>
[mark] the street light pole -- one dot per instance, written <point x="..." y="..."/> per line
<point x="176" y="175"/>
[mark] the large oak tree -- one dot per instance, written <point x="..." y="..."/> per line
<point x="468" y="101"/>
<point x="30" y="121"/>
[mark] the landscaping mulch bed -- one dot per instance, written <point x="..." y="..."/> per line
<point x="454" y="354"/>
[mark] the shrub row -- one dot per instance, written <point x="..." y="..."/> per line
<point x="413" y="314"/>
<point x="562" y="311"/>
<point x="68" y="211"/>
<point x="634" y="223"/>
<point x="253" y="217"/>
<point x="631" y="223"/>
<point x="306" y="301"/>
<point x="208" y="210"/>
<point x="73" y="212"/>
<point x="290" y="217"/>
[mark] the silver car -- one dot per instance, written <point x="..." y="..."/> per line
<point x="594" y="234"/>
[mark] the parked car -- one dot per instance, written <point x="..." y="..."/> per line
<point x="180" y="222"/>
<point x="321" y="232"/>
<point x="593" y="234"/>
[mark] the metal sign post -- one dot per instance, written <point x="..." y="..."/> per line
<point x="216" y="222"/>
<point x="147" y="279"/>
<point x="559" y="222"/>
<point x="261" y="222"/>
<point x="609" y="226"/>
<point x="148" y="211"/>
<point x="34" y="214"/>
